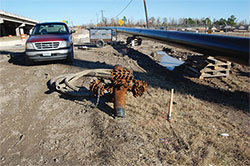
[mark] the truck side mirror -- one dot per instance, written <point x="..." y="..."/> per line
<point x="72" y="31"/>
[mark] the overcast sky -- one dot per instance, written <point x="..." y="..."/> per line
<point x="85" y="11"/>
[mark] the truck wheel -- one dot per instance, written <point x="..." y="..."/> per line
<point x="99" y="43"/>
<point x="70" y="57"/>
<point x="28" y="61"/>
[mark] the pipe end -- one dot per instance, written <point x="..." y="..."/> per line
<point x="120" y="112"/>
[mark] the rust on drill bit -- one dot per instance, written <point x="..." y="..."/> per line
<point x="122" y="82"/>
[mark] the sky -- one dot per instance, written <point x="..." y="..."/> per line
<point x="78" y="12"/>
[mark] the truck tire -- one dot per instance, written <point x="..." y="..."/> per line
<point x="28" y="61"/>
<point x="70" y="57"/>
<point x="99" y="43"/>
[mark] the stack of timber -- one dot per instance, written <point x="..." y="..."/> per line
<point x="204" y="67"/>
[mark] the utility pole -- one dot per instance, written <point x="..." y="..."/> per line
<point x="146" y="13"/>
<point x="97" y="18"/>
<point x="102" y="15"/>
<point x="206" y="22"/>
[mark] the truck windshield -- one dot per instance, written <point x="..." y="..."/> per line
<point x="44" y="29"/>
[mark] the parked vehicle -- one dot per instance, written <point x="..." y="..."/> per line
<point x="101" y="36"/>
<point x="49" y="41"/>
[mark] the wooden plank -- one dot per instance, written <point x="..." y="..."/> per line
<point x="214" y="74"/>
<point x="208" y="66"/>
<point x="171" y="105"/>
<point x="211" y="70"/>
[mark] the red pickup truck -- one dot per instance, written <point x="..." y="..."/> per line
<point x="49" y="41"/>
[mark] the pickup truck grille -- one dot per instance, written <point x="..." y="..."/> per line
<point x="47" y="45"/>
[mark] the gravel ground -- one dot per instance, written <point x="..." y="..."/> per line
<point x="39" y="126"/>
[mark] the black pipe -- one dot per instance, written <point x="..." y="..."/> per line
<point x="235" y="49"/>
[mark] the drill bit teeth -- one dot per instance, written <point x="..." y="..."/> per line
<point x="122" y="80"/>
<point x="122" y="74"/>
<point x="139" y="88"/>
<point x="97" y="87"/>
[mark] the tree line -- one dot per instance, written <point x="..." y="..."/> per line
<point x="164" y="22"/>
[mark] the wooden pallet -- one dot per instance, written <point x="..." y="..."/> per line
<point x="203" y="67"/>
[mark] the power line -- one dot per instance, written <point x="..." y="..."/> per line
<point x="124" y="8"/>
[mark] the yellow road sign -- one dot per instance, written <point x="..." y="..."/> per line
<point x="66" y="22"/>
<point x="121" y="22"/>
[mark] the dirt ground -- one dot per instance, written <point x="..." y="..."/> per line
<point x="39" y="126"/>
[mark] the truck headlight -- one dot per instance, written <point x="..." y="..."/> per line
<point x="29" y="46"/>
<point x="65" y="44"/>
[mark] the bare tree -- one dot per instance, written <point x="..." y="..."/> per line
<point x="140" y="23"/>
<point x="105" y="21"/>
<point x="164" y="21"/>
<point x="131" y="22"/>
<point x="173" y="22"/>
<point x="243" y="22"/>
<point x="152" y="21"/>
<point x="158" y="22"/>
<point x="113" y="22"/>
<point x="181" y="21"/>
